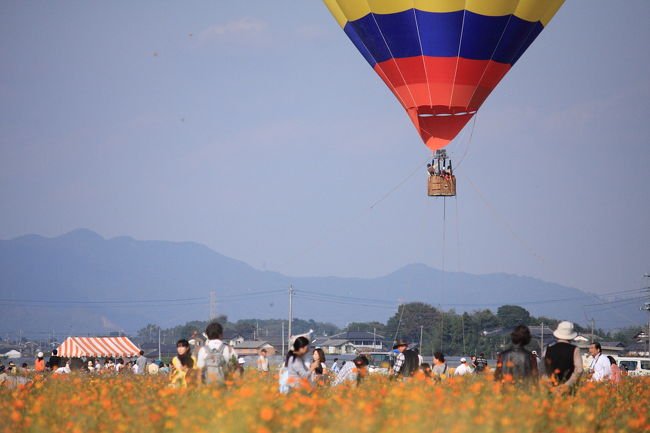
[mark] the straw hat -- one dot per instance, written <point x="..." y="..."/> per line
<point x="565" y="331"/>
<point x="39" y="354"/>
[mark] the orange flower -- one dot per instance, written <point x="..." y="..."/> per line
<point x="266" y="413"/>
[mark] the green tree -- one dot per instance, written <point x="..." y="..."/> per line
<point x="377" y="327"/>
<point x="512" y="315"/>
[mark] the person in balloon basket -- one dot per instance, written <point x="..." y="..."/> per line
<point x="406" y="362"/>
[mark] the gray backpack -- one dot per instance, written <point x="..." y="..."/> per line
<point x="215" y="365"/>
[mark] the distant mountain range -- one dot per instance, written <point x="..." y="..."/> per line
<point x="81" y="283"/>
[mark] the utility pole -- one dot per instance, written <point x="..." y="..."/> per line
<point x="213" y="305"/>
<point x="283" y="352"/>
<point x="290" y="313"/>
<point x="592" y="329"/>
<point x="646" y="307"/>
<point x="541" y="344"/>
<point x="420" y="346"/>
<point x="374" y="338"/>
<point x="159" y="355"/>
<point x="462" y="324"/>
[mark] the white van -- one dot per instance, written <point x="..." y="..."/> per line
<point x="634" y="365"/>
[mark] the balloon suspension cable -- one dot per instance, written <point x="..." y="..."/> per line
<point x="526" y="246"/>
<point x="399" y="322"/>
<point x="469" y="142"/>
<point x="442" y="275"/>
<point x="352" y="219"/>
<point x="460" y="265"/>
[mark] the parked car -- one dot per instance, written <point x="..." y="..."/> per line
<point x="635" y="366"/>
<point x="380" y="362"/>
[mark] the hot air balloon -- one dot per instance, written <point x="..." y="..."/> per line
<point x="442" y="58"/>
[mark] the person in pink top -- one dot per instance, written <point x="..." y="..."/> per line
<point x="615" y="377"/>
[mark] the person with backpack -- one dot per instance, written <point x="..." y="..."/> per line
<point x="295" y="372"/>
<point x="406" y="363"/>
<point x="215" y="359"/>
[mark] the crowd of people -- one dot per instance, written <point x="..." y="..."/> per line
<point x="561" y="366"/>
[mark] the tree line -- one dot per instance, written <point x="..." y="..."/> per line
<point x="455" y="334"/>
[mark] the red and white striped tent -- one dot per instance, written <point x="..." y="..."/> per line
<point x="75" y="347"/>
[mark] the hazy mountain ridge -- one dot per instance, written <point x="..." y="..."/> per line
<point x="83" y="266"/>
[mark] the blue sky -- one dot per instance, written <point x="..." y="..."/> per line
<point x="257" y="129"/>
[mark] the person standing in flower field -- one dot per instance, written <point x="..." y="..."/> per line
<point x="296" y="370"/>
<point x="140" y="363"/>
<point x="439" y="370"/>
<point x="183" y="364"/>
<point x="353" y="371"/>
<point x="406" y="363"/>
<point x="263" y="362"/>
<point x="54" y="361"/>
<point x="481" y="363"/>
<point x="39" y="364"/>
<point x="517" y="364"/>
<point x="463" y="368"/>
<point x="318" y="375"/>
<point x="215" y="360"/>
<point x="615" y="377"/>
<point x="335" y="366"/>
<point x="600" y="365"/>
<point x="562" y="360"/>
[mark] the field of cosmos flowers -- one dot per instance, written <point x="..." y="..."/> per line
<point x="79" y="403"/>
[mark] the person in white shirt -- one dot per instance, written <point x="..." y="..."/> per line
<point x="214" y="331"/>
<point x="463" y="368"/>
<point x="63" y="370"/>
<point x="263" y="362"/>
<point x="600" y="365"/>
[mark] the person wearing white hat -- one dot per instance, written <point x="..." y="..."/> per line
<point x="562" y="361"/>
<point x="463" y="368"/>
<point x="39" y="364"/>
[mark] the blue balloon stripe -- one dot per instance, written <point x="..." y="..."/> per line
<point x="380" y="37"/>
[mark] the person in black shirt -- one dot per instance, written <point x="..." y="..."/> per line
<point x="481" y="363"/>
<point x="55" y="361"/>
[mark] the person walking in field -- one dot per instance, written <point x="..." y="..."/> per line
<point x="562" y="360"/>
<point x="215" y="360"/>
<point x="517" y="364"/>
<point x="263" y="362"/>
